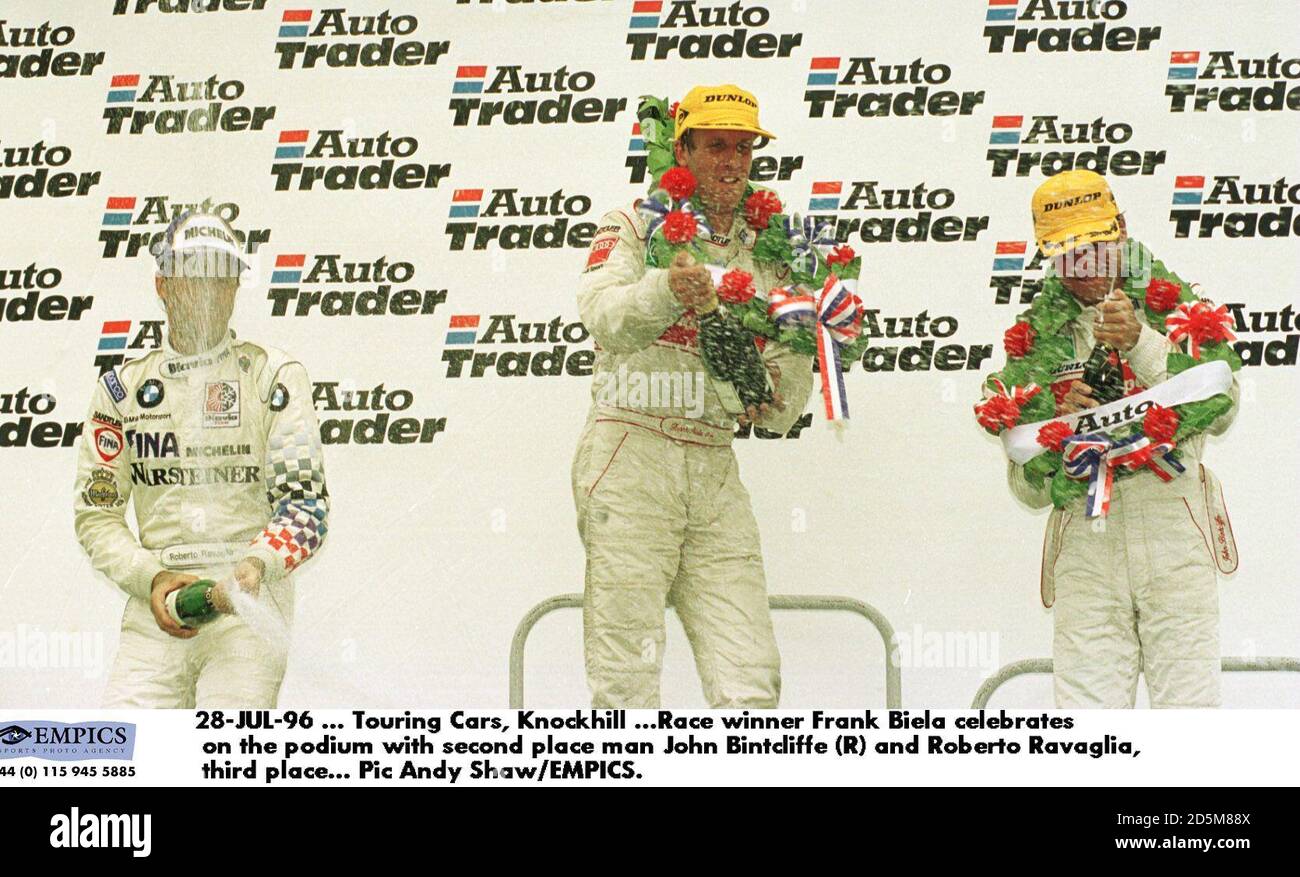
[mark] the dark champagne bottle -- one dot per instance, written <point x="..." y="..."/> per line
<point x="729" y="354"/>
<point x="191" y="606"/>
<point x="1103" y="374"/>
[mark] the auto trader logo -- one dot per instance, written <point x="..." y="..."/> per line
<point x="688" y="30"/>
<point x="513" y="95"/>
<point x="61" y="741"/>
<point x="551" y="348"/>
<point x="1010" y="269"/>
<point x="1094" y="144"/>
<point x="872" y="88"/>
<point x="168" y="104"/>
<point x="303" y="159"/>
<point x="1245" y="87"/>
<point x="1063" y="26"/>
<point x="331" y="41"/>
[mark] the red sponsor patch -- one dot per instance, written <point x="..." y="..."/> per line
<point x="108" y="443"/>
<point x="600" y="250"/>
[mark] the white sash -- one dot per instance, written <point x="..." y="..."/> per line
<point x="1197" y="383"/>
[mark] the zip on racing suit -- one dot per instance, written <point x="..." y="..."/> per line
<point x="1136" y="590"/>
<point x="661" y="510"/>
<point x="221" y="454"/>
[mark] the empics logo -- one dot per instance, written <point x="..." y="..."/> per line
<point x="333" y="397"/>
<point x="1280" y="94"/>
<point x="1007" y="153"/>
<point x="565" y="107"/>
<point x="1009" y="270"/>
<point x="29" y="52"/>
<point x="546" y="346"/>
<point x="332" y="40"/>
<point x="127" y="233"/>
<point x="210" y="109"/>
<point x="1270" y="208"/>
<point x="344" y="289"/>
<point x="920" y="201"/>
<point x="466" y="225"/>
<point x="686" y="30"/>
<point x="35" y="301"/>
<point x="336" y="162"/>
<point x="836" y="87"/>
<point x="41" y="181"/>
<point x="1054" y="29"/>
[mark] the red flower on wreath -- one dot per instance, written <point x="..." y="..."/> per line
<point x="841" y="255"/>
<point x="1053" y="435"/>
<point x="1160" y="423"/>
<point x="1201" y="323"/>
<point x="680" y="227"/>
<point x="678" y="182"/>
<point x="760" y="207"/>
<point x="672" y="111"/>
<point x="1019" y="340"/>
<point x="1001" y="408"/>
<point x="1163" y="295"/>
<point x="997" y="413"/>
<point x="736" y="287"/>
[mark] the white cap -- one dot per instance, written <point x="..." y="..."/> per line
<point x="199" y="245"/>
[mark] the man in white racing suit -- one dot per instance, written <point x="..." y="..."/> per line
<point x="1136" y="590"/>
<point x="661" y="509"/>
<point x="215" y="441"/>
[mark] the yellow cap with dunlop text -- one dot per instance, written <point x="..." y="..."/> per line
<point x="719" y="108"/>
<point x="1074" y="208"/>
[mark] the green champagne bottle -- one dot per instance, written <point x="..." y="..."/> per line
<point x="191" y="606"/>
<point x="729" y="354"/>
<point x="1103" y="374"/>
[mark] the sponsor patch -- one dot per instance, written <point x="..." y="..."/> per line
<point x="221" y="404"/>
<point x="279" y="398"/>
<point x="101" y="490"/>
<point x="114" y="385"/>
<point x="150" y="393"/>
<point x="108" y="442"/>
<point x="600" y="250"/>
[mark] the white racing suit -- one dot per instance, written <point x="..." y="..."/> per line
<point x="661" y="510"/>
<point x="221" y="454"/>
<point x="1136" y="590"/>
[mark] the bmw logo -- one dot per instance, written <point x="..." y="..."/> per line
<point x="279" y="397"/>
<point x="150" y="393"/>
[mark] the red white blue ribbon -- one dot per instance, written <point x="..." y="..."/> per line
<point x="833" y="314"/>
<point x="806" y="235"/>
<point x="1095" y="456"/>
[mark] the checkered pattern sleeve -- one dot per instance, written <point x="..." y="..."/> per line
<point x="295" y="477"/>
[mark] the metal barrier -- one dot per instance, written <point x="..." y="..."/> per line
<point x="893" y="675"/>
<point x="1044" y="665"/>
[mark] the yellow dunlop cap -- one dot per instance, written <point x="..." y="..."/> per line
<point x="719" y="108"/>
<point x="1074" y="208"/>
